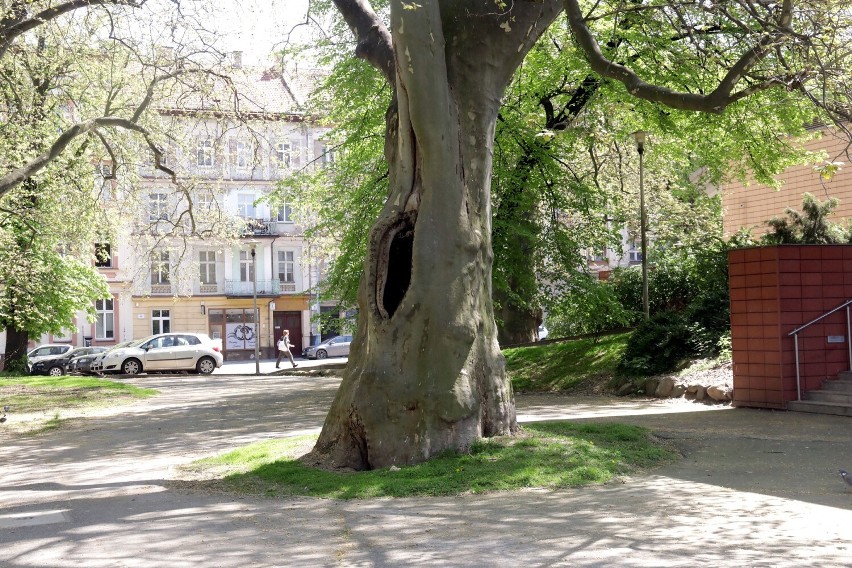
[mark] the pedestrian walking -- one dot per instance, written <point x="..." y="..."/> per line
<point x="284" y="349"/>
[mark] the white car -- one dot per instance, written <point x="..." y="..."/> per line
<point x="43" y="352"/>
<point x="163" y="352"/>
<point x="334" y="347"/>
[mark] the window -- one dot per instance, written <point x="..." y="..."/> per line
<point x="161" y="322"/>
<point x="239" y="152"/>
<point x="207" y="266"/>
<point x="285" y="214"/>
<point x="246" y="267"/>
<point x="103" y="255"/>
<point x="634" y="254"/>
<point x="286" y="266"/>
<point x="204" y="153"/>
<point x="245" y="204"/>
<point x="282" y="154"/>
<point x="160" y="267"/>
<point x="205" y="202"/>
<point x="326" y="155"/>
<point x="104" y="319"/>
<point x="157" y="207"/>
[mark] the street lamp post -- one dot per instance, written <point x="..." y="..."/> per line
<point x="640" y="135"/>
<point x="256" y="316"/>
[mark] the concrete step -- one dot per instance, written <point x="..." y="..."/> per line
<point x="845" y="375"/>
<point x="820" y="407"/>
<point x="837" y="385"/>
<point x="829" y="395"/>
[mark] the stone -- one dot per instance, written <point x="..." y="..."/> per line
<point x="678" y="390"/>
<point x="625" y="389"/>
<point x="719" y="393"/>
<point x="651" y="386"/>
<point x="692" y="388"/>
<point x="699" y="393"/>
<point x="664" y="389"/>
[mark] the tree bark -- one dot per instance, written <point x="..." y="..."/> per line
<point x="17" y="341"/>
<point x="425" y="373"/>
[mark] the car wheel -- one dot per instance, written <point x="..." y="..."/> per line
<point x="322" y="354"/>
<point x="205" y="366"/>
<point x="131" y="367"/>
<point x="55" y="371"/>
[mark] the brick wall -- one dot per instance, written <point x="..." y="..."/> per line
<point x="774" y="290"/>
<point x="751" y="205"/>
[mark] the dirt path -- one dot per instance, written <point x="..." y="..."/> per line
<point x="755" y="488"/>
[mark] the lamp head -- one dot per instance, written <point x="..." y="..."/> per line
<point x="640" y="136"/>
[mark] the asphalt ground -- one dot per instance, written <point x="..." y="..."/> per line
<point x="755" y="488"/>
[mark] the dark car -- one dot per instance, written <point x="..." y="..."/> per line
<point x="83" y="363"/>
<point x="57" y="366"/>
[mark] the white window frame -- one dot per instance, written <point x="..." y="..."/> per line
<point x="240" y="151"/>
<point x="282" y="154"/>
<point x="161" y="321"/>
<point x="205" y="201"/>
<point x="158" y="206"/>
<point x="285" y="213"/>
<point x="207" y="266"/>
<point x="204" y="153"/>
<point x="245" y="205"/>
<point x="246" y="266"/>
<point x="105" y="319"/>
<point x="287" y="266"/>
<point x="634" y="254"/>
<point x="160" y="268"/>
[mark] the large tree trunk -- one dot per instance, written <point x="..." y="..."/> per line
<point x="425" y="373"/>
<point x="15" y="358"/>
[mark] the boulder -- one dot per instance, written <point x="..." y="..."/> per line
<point x="651" y="386"/>
<point x="719" y="393"/>
<point x="699" y="393"/>
<point x="677" y="391"/>
<point x="693" y="388"/>
<point x="625" y="389"/>
<point x="664" y="389"/>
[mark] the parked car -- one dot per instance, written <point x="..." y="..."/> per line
<point x="164" y="352"/>
<point x="57" y="366"/>
<point x="95" y="365"/>
<point x="45" y="352"/>
<point x="542" y="332"/>
<point x="82" y="363"/>
<point x="334" y="347"/>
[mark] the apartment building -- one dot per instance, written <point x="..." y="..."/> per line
<point x="199" y="248"/>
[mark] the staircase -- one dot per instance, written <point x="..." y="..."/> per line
<point x="835" y="397"/>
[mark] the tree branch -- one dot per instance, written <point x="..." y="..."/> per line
<point x="714" y="102"/>
<point x="15" y="22"/>
<point x="374" y="43"/>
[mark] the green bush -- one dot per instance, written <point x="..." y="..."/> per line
<point x="658" y="345"/>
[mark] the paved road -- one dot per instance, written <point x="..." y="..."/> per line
<point x="755" y="488"/>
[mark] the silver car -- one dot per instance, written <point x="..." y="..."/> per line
<point x="334" y="347"/>
<point x="43" y="352"/>
<point x="163" y="352"/>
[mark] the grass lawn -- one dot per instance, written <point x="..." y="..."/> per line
<point x="550" y="455"/>
<point x="55" y="394"/>
<point x="561" y="366"/>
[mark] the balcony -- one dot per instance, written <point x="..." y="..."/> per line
<point x="267" y="227"/>
<point x="206" y="289"/>
<point x="161" y="289"/>
<point x="264" y="288"/>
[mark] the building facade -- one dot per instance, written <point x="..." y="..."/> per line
<point x="200" y="250"/>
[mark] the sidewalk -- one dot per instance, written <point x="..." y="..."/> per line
<point x="267" y="366"/>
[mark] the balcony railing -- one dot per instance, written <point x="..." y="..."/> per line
<point x="264" y="288"/>
<point x="260" y="227"/>
<point x="202" y="288"/>
<point x="161" y="289"/>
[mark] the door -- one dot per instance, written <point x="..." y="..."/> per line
<point x="293" y="322"/>
<point x="159" y="354"/>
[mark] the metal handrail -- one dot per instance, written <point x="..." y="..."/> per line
<point x="795" y="334"/>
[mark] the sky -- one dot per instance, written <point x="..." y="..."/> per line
<point x="255" y="27"/>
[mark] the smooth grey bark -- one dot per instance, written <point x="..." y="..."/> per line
<point x="425" y="373"/>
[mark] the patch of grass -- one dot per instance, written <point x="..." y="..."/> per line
<point x="548" y="455"/>
<point x="36" y="393"/>
<point x="561" y="366"/>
